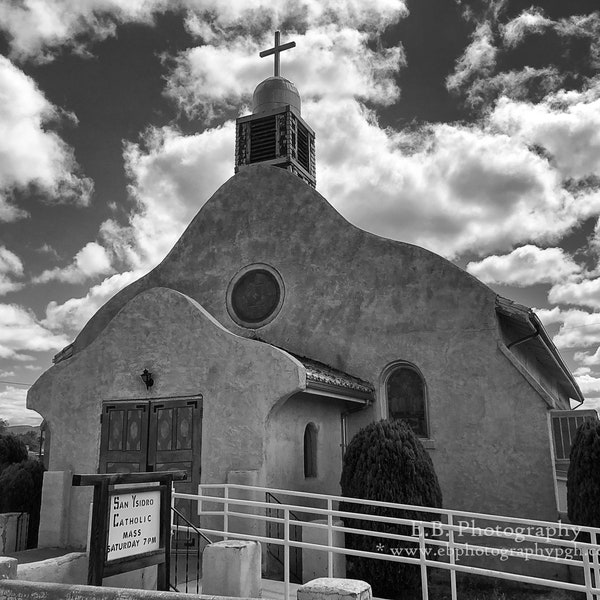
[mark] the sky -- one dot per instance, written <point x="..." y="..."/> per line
<point x="468" y="127"/>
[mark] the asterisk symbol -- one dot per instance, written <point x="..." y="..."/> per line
<point x="380" y="547"/>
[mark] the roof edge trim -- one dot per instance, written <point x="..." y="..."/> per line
<point x="335" y="391"/>
<point x="524" y="314"/>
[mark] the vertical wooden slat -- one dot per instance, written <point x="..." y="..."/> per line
<point x="98" y="534"/>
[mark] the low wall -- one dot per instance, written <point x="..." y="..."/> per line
<point x="13" y="532"/>
<point x="27" y="590"/>
<point x="68" y="568"/>
<point x="13" y="589"/>
<point x="72" y="568"/>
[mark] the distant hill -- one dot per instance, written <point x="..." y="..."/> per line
<point x="18" y="429"/>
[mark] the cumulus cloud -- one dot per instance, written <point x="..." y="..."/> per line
<point x="529" y="22"/>
<point x="10" y="262"/>
<point x="588" y="383"/>
<point x="524" y="266"/>
<point x="172" y="175"/>
<point x="73" y="314"/>
<point x="588" y="358"/>
<point x="48" y="249"/>
<point x="92" y="260"/>
<point x="10" y="267"/>
<point x="38" y="29"/>
<point x="586" y="27"/>
<point x="31" y="154"/>
<point x="478" y="74"/>
<point x="526" y="84"/>
<point x="549" y="316"/>
<point x="12" y="407"/>
<point x="330" y="62"/>
<point x="578" y="328"/>
<point x="375" y="15"/>
<point x="580" y="293"/>
<point x="21" y="332"/>
<point x="477" y="61"/>
<point x="566" y="125"/>
<point x="484" y="191"/>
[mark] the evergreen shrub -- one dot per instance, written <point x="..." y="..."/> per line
<point x="20" y="483"/>
<point x="583" y="477"/>
<point x="12" y="450"/>
<point x="385" y="461"/>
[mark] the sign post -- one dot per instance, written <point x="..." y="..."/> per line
<point x="131" y="526"/>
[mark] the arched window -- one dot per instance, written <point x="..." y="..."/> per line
<point x="406" y="398"/>
<point x="310" y="450"/>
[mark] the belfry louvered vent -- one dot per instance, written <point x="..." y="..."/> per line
<point x="281" y="139"/>
<point x="263" y="139"/>
<point x="303" y="147"/>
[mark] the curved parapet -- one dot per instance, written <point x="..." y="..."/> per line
<point x="335" y="276"/>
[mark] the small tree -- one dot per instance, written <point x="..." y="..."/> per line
<point x="21" y="491"/>
<point x="583" y="477"/>
<point x="385" y="461"/>
<point x="12" y="450"/>
<point x="31" y="439"/>
<point x="20" y="483"/>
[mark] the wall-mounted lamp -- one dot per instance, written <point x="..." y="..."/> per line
<point x="147" y="379"/>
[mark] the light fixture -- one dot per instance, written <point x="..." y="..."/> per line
<point x="147" y="379"/>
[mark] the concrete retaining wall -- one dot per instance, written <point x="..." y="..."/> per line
<point x="13" y="532"/>
<point x="13" y="589"/>
<point x="68" y="568"/>
<point x="27" y="590"/>
<point x="72" y="568"/>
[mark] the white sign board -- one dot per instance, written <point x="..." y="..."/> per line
<point x="134" y="523"/>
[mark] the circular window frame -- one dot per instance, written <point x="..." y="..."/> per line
<point x="234" y="281"/>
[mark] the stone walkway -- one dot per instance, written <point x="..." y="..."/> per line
<point x="273" y="590"/>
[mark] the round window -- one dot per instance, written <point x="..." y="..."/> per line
<point x="255" y="295"/>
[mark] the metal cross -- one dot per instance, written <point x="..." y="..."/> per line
<point x="277" y="50"/>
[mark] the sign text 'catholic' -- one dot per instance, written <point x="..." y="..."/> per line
<point x="134" y="524"/>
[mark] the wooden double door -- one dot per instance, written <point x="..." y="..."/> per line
<point x="153" y="435"/>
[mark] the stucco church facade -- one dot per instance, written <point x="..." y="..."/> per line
<point x="275" y="329"/>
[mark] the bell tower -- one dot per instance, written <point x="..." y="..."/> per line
<point x="275" y="133"/>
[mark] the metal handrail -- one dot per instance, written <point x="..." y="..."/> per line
<point x="424" y="509"/>
<point x="292" y="514"/>
<point x="293" y="573"/>
<point x="556" y="537"/>
<point x="190" y="524"/>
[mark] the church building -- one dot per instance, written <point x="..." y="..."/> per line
<point x="275" y="329"/>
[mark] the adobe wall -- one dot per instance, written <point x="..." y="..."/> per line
<point x="285" y="444"/>
<point x="188" y="353"/>
<point x="359" y="302"/>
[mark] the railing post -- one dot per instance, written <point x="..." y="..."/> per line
<point x="587" y="574"/>
<point x="174" y="541"/>
<point x="422" y="559"/>
<point x="452" y="557"/>
<point x="594" y="551"/>
<point x="286" y="554"/>
<point x="226" y="512"/>
<point x="329" y="538"/>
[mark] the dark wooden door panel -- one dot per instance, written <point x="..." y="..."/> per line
<point x="175" y="442"/>
<point x="161" y="435"/>
<point x="124" y="437"/>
